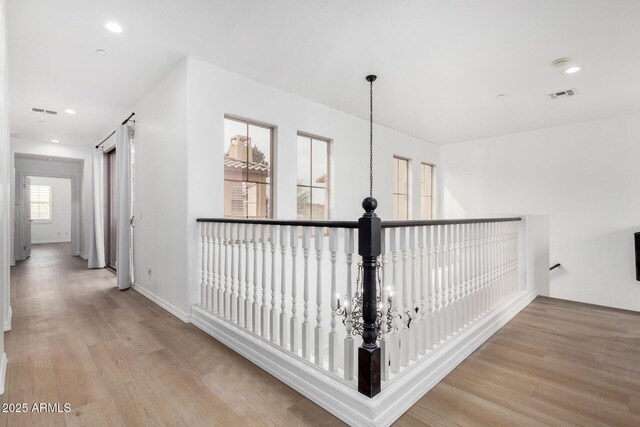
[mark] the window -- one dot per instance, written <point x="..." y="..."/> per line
<point x="313" y="178"/>
<point x="426" y="192"/>
<point x="41" y="203"/>
<point x="400" y="188"/>
<point x="247" y="169"/>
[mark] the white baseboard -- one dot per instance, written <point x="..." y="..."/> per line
<point x="44" y="242"/>
<point x="3" y="372"/>
<point x="185" y="317"/>
<point x="7" y="321"/>
<point x="340" y="397"/>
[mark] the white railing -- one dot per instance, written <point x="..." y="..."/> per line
<point x="440" y="279"/>
<point x="280" y="282"/>
<point x="293" y="284"/>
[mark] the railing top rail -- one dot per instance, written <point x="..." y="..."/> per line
<point x="291" y="222"/>
<point x="354" y="224"/>
<point x="417" y="223"/>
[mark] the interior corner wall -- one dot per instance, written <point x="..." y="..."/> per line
<point x="64" y="151"/>
<point x="214" y="92"/>
<point x="584" y="176"/>
<point x="160" y="192"/>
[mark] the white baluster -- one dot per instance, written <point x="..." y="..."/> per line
<point x="306" y="327"/>
<point x="404" y="332"/>
<point x="238" y="303"/>
<point x="318" y="330"/>
<point x="474" y="270"/>
<point x="255" y="314"/>
<point x="383" y="343"/>
<point x="394" y="343"/>
<point x="264" y="309"/>
<point x="456" y="278"/>
<point x="295" y="328"/>
<point x="465" y="274"/>
<point x="452" y="280"/>
<point x="423" y="283"/>
<point x="413" y="315"/>
<point x="221" y="272"/>
<point x="246" y="296"/>
<point x="232" y="304"/>
<point x="204" y="257"/>
<point x="480" y="267"/>
<point x="228" y="248"/>
<point x="431" y="287"/>
<point x="284" y="320"/>
<point x="485" y="266"/>
<point x="211" y="256"/>
<point x="438" y="273"/>
<point x="445" y="285"/>
<point x="273" y="312"/>
<point x="333" y="338"/>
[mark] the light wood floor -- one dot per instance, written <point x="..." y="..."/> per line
<point x="119" y="359"/>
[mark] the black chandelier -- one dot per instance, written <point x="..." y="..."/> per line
<point x="355" y="315"/>
<point x="356" y="303"/>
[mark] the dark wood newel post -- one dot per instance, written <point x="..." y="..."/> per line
<point x="369" y="248"/>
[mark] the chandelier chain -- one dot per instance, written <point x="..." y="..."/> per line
<point x="371" y="138"/>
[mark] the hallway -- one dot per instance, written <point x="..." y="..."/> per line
<point x="119" y="359"/>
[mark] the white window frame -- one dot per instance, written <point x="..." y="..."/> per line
<point x="42" y="221"/>
<point x="433" y="169"/>
<point x="328" y="188"/>
<point x="272" y="154"/>
<point x="409" y="187"/>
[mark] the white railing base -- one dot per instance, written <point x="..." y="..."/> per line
<point x="339" y="397"/>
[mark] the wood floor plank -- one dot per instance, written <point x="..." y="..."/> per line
<point x="120" y="359"/>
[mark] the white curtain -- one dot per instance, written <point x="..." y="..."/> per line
<point x="96" y="247"/>
<point x="124" y="256"/>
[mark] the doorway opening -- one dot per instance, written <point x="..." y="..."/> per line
<point x="46" y="212"/>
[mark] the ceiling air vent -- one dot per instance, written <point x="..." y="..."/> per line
<point x="562" y="94"/>
<point x="43" y="111"/>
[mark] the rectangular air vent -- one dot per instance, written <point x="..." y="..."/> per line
<point x="562" y="94"/>
<point x="42" y="110"/>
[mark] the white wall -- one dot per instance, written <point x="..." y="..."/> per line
<point x="82" y="157"/>
<point x="5" y="199"/>
<point x="160" y="193"/>
<point x="59" y="229"/>
<point x="179" y="167"/>
<point x="585" y="176"/>
<point x="214" y="92"/>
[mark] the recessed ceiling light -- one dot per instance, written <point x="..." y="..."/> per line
<point x="41" y="122"/>
<point x="70" y="111"/>
<point x="114" y="27"/>
<point x="573" y="69"/>
<point x="101" y="52"/>
<point x="55" y="141"/>
<point x="500" y="95"/>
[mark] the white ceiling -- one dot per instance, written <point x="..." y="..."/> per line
<point x="440" y="63"/>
